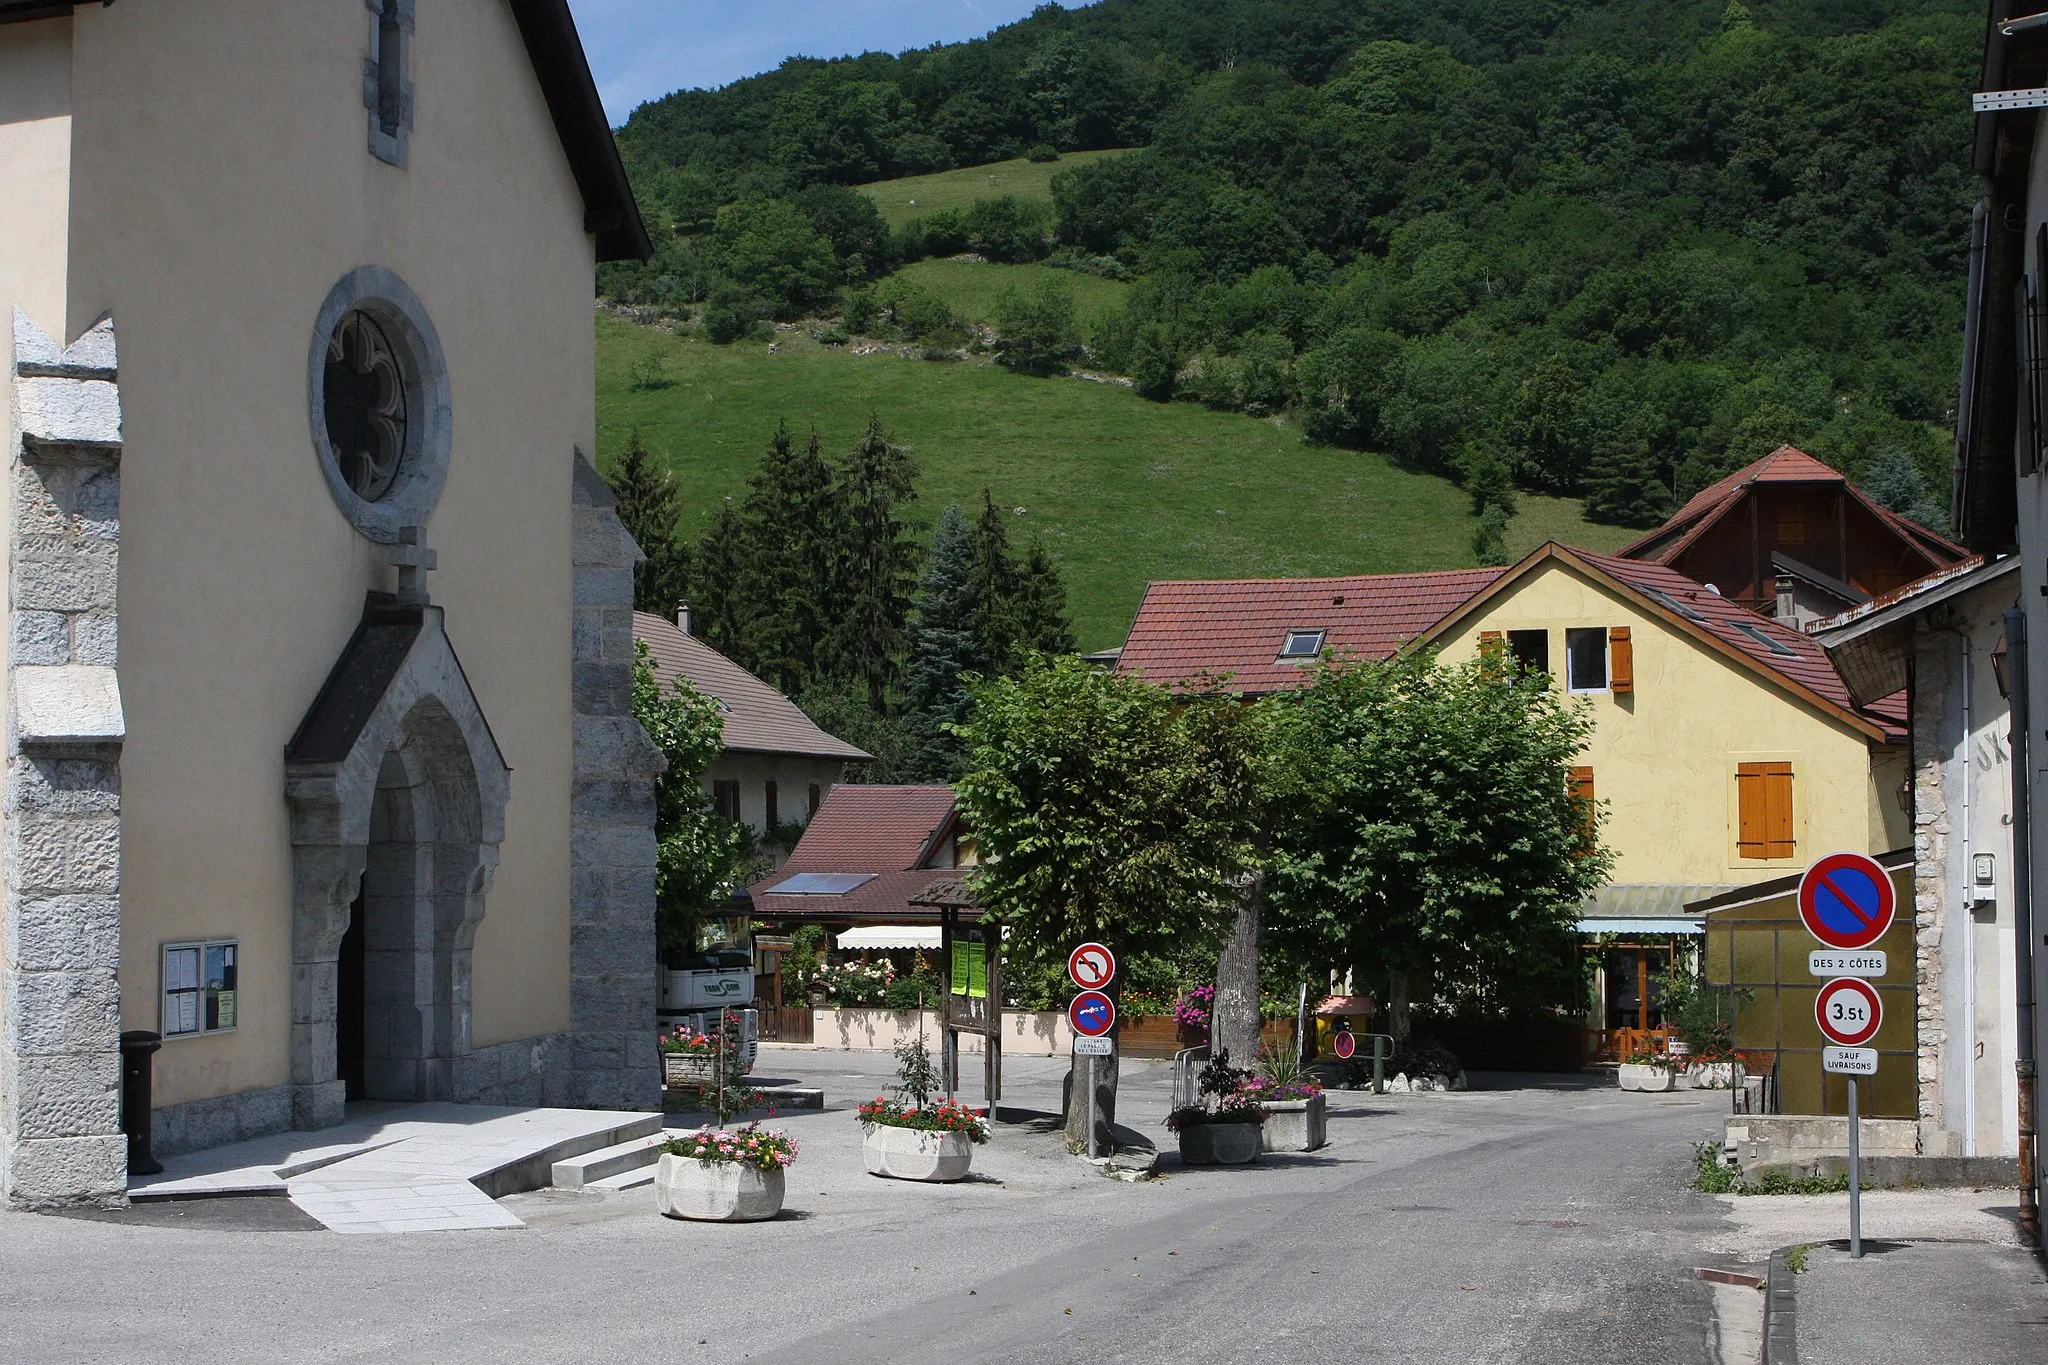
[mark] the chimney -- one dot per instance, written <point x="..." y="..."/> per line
<point x="683" y="617"/>
<point x="1787" y="609"/>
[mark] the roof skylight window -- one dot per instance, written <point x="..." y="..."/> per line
<point x="1302" y="644"/>
<point x="1665" y="599"/>
<point x="1774" y="645"/>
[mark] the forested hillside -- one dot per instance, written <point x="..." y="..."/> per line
<point x="1601" y="249"/>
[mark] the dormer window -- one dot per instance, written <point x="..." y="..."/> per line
<point x="387" y="94"/>
<point x="1302" y="644"/>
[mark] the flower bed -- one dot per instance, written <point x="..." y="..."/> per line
<point x="944" y="1117"/>
<point x="723" y="1176"/>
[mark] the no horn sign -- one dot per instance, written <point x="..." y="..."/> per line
<point x="1847" y="901"/>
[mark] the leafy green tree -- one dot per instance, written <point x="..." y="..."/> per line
<point x="877" y="563"/>
<point x="993" y="574"/>
<point x="1105" y="809"/>
<point x="1623" y="486"/>
<point x="1036" y="328"/>
<point x="1006" y="229"/>
<point x="770" y="250"/>
<point x="719" y="612"/>
<point x="1445" y="852"/>
<point x="1039" y="609"/>
<point x="650" y="508"/>
<point x="700" y="856"/>
<point x="1895" y="482"/>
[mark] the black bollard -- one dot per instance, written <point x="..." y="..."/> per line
<point x="136" y="1050"/>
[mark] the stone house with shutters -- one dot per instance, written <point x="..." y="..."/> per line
<point x="320" y="759"/>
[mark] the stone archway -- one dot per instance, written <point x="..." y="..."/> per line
<point x="397" y="789"/>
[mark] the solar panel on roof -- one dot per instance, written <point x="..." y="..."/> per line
<point x="820" y="884"/>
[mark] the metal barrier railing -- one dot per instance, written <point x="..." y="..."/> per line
<point x="1186" y="1062"/>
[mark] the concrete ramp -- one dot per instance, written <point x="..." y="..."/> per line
<point x="403" y="1167"/>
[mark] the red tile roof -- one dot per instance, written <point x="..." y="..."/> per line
<point x="758" y="718"/>
<point x="1786" y="464"/>
<point x="881" y="830"/>
<point x="1765" y="643"/>
<point x="1237" y="626"/>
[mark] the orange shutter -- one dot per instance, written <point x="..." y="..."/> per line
<point x="1491" y="639"/>
<point x="1621" y="661"/>
<point x="1764" y="810"/>
<point x="1580" y="787"/>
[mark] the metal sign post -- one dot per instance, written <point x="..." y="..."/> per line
<point x="1847" y="902"/>
<point x="1092" y="1015"/>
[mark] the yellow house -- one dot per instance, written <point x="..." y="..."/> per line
<point x="1725" y="748"/>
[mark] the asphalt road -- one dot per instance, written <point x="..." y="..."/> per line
<point x="1536" y="1219"/>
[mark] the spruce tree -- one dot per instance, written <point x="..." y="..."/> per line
<point x="718" y="611"/>
<point x="1040" y="612"/>
<point x="650" y="508"/>
<point x="1622" y="484"/>
<point x="876" y="565"/>
<point x="994" y="576"/>
<point x="792" y="529"/>
<point x="944" y="644"/>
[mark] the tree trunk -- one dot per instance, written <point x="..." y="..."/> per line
<point x="1234" y="1022"/>
<point x="1397" y="1009"/>
<point x="1075" y="1095"/>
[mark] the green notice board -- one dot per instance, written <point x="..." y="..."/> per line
<point x="970" y="969"/>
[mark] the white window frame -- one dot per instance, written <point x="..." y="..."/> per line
<point x="1571" y="682"/>
<point x="169" y="1012"/>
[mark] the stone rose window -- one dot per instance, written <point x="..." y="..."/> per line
<point x="377" y="393"/>
<point x="365" y="400"/>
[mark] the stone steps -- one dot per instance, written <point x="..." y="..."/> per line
<point x="585" y="1169"/>
<point x="625" y="1180"/>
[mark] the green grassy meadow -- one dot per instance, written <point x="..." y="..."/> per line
<point x="971" y="289"/>
<point x="1123" y="490"/>
<point x="920" y="196"/>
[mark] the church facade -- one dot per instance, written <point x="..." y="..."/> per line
<point x="319" y="754"/>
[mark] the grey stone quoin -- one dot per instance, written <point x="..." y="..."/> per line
<point x="60" y="918"/>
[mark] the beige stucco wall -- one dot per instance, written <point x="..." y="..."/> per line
<point x="222" y="184"/>
<point x="35" y="150"/>
<point x="1664" y="757"/>
<point x="792" y="775"/>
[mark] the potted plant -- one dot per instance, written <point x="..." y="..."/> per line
<point x="723" y="1176"/>
<point x="1222" y="1127"/>
<point x="1297" y="1113"/>
<point x="919" y="1140"/>
<point x="1647" y="1068"/>
<point x="692" y="1058"/>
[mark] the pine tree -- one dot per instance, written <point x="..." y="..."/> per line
<point x="1622" y="485"/>
<point x="718" y="611"/>
<point x="877" y="564"/>
<point x="1040" y="614"/>
<point x="943" y="645"/>
<point x="792" y="529"/>
<point x="994" y="576"/>
<point x="650" y="508"/>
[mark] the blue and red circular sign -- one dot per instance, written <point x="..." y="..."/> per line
<point x="1847" y="900"/>
<point x="1092" y="1014"/>
<point x="1345" y="1045"/>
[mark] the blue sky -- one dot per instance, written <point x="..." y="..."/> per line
<point x="642" y="49"/>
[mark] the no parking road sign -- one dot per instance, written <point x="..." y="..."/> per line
<point x="1346" y="1046"/>
<point x="1848" y="1011"/>
<point x="1091" y="966"/>
<point x="1092" y="1013"/>
<point x="1847" y="900"/>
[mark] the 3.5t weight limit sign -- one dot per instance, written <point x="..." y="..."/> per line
<point x="1848" y="1011"/>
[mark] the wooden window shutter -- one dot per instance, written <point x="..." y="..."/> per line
<point x="1764" y="810"/>
<point x="1580" y="787"/>
<point x="1621" y="661"/>
<point x="1491" y="639"/>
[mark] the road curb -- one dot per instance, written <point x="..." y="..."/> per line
<point x="1781" y="1337"/>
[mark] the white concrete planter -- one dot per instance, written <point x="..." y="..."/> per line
<point x="915" y="1154"/>
<point x="1651" y="1078"/>
<point x="1295" y="1125"/>
<point x="1711" y="1076"/>
<point x="1219" y="1144"/>
<point x="716" y="1191"/>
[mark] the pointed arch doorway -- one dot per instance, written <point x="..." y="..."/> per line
<point x="397" y="792"/>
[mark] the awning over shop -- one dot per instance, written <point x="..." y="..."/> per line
<point x="877" y="936"/>
<point x="1645" y="908"/>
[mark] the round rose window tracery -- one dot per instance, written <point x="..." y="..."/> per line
<point x="364" y="402"/>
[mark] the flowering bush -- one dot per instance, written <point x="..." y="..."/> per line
<point x="943" y="1117"/>
<point x="748" y="1146"/>
<point x="1301" y="1088"/>
<point x="858" y="984"/>
<point x="1229" y="1094"/>
<point x="1193" y="1010"/>
<point x="1648" y="1056"/>
<point x="687" y="1040"/>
